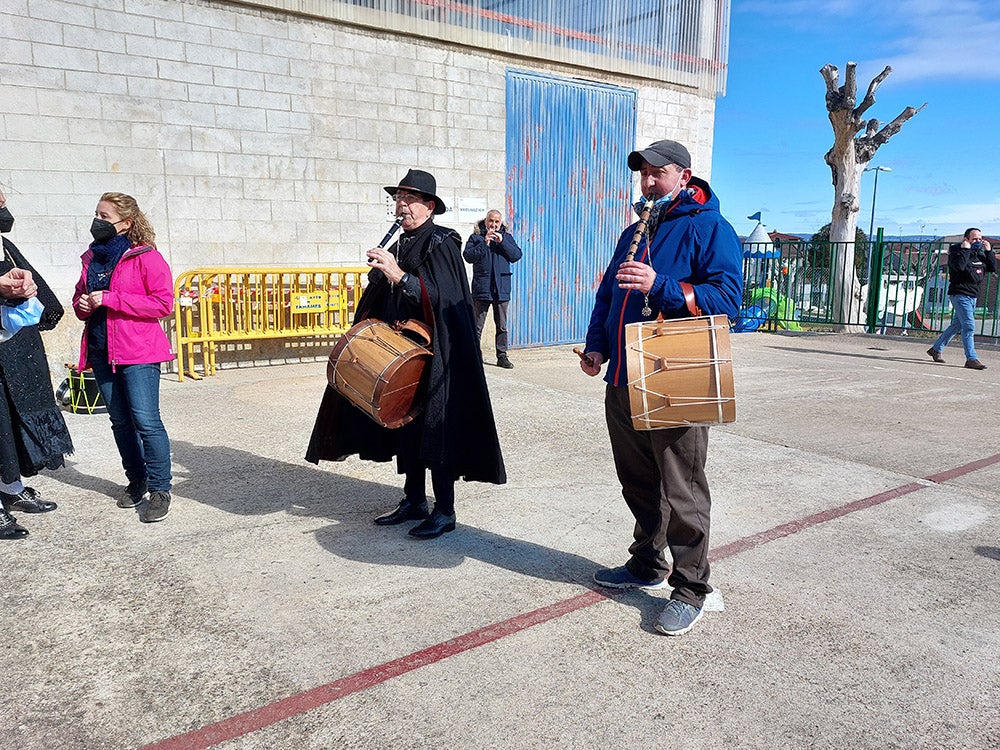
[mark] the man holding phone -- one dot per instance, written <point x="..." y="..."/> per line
<point x="968" y="263"/>
<point x="491" y="249"/>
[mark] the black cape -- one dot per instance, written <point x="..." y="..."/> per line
<point x="455" y="430"/>
<point x="33" y="433"/>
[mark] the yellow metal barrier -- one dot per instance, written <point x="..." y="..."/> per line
<point x="239" y="304"/>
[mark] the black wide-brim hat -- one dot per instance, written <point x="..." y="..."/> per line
<point x="418" y="181"/>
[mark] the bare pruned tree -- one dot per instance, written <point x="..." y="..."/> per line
<point x="848" y="157"/>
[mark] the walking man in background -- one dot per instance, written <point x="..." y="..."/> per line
<point x="491" y="249"/>
<point x="968" y="263"/>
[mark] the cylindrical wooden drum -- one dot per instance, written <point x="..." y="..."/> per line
<point x="381" y="371"/>
<point x="680" y="372"/>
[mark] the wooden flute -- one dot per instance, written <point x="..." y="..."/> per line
<point x="640" y="228"/>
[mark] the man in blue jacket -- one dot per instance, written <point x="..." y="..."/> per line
<point x="689" y="262"/>
<point x="491" y="249"/>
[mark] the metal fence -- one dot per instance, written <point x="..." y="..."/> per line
<point x="897" y="288"/>
<point x="218" y="305"/>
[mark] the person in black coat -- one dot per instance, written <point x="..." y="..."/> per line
<point x="491" y="249"/>
<point x="422" y="277"/>
<point x="33" y="433"/>
<point x="968" y="263"/>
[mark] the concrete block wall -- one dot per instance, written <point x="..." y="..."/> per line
<point x="664" y="112"/>
<point x="249" y="137"/>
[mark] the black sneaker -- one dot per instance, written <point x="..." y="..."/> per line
<point x="156" y="508"/>
<point x="132" y="495"/>
<point x="505" y="363"/>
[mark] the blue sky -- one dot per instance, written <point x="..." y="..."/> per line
<point x="772" y="130"/>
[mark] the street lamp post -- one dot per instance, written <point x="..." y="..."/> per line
<point x="871" y="225"/>
<point x="876" y="170"/>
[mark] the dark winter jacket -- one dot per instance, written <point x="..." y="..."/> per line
<point x="491" y="264"/>
<point x="455" y="431"/>
<point x="33" y="433"/>
<point x="693" y="243"/>
<point x="966" y="269"/>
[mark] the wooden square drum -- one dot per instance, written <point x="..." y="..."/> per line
<point x="680" y="372"/>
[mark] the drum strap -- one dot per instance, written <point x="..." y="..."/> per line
<point x="689" y="300"/>
<point x="438" y="235"/>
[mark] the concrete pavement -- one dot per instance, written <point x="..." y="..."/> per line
<point x="856" y="545"/>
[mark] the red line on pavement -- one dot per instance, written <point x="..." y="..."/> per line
<point x="251" y="721"/>
<point x="259" y="718"/>
<point x="794" y="527"/>
<point x="968" y="468"/>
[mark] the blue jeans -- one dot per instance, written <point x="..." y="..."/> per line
<point x="132" y="395"/>
<point x="963" y="320"/>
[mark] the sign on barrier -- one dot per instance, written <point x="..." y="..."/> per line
<point x="216" y="305"/>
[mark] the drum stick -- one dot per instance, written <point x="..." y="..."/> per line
<point x="640" y="228"/>
<point x="583" y="357"/>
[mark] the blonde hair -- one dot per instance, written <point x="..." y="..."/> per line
<point x="141" y="232"/>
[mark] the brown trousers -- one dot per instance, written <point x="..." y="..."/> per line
<point x="662" y="473"/>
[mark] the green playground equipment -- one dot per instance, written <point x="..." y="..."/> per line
<point x="779" y="308"/>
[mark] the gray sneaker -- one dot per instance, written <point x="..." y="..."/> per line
<point x="132" y="495"/>
<point x="678" y="617"/>
<point x="156" y="508"/>
<point x="621" y="578"/>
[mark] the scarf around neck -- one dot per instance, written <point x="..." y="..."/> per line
<point x="106" y="257"/>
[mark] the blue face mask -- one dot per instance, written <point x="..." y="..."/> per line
<point x="659" y="202"/>
<point x="13" y="319"/>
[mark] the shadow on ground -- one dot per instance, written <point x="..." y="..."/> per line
<point x="243" y="483"/>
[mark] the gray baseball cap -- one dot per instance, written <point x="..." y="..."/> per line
<point x="660" y="154"/>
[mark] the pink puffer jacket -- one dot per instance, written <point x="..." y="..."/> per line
<point x="140" y="294"/>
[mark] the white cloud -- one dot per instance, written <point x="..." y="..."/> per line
<point x="965" y="214"/>
<point x="921" y="39"/>
<point x="945" y="40"/>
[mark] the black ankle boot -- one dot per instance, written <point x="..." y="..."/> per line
<point x="407" y="510"/>
<point x="28" y="500"/>
<point x="435" y="526"/>
<point x="10" y="528"/>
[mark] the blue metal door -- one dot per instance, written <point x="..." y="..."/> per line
<point x="568" y="192"/>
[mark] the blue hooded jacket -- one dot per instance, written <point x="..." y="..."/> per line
<point x="693" y="243"/>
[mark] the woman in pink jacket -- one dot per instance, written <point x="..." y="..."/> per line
<point x="124" y="290"/>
